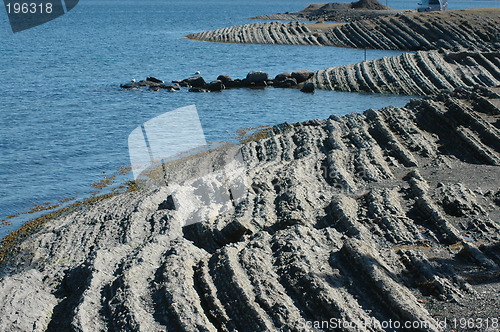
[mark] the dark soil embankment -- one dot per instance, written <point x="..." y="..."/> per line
<point x="336" y="12"/>
<point x="368" y="4"/>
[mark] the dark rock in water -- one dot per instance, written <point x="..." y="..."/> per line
<point x="166" y="87"/>
<point x="249" y="84"/>
<point x="195" y="82"/>
<point x="237" y="83"/>
<point x="148" y="83"/>
<point x="153" y="84"/>
<point x="131" y="85"/>
<point x="198" y="82"/>
<point x="224" y="78"/>
<point x="197" y="89"/>
<point x="288" y="83"/>
<point x="254" y="80"/>
<point x="282" y="76"/>
<point x="308" y="88"/>
<point x="292" y="81"/>
<point x="258" y="84"/>
<point x="154" y="80"/>
<point x="257" y="76"/>
<point x="302" y="75"/>
<point x="215" y="86"/>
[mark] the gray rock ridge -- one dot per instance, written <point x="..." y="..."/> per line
<point x="468" y="42"/>
<point x="420" y="73"/>
<point x="472" y="30"/>
<point x="254" y="80"/>
<point x="389" y="214"/>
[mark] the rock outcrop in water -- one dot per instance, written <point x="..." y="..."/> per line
<point x="387" y="215"/>
<point x="421" y="73"/>
<point x="473" y="30"/>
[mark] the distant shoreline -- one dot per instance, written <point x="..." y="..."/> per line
<point x="454" y="49"/>
<point x="405" y="31"/>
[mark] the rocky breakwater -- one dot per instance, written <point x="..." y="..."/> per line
<point x="254" y="79"/>
<point x="390" y="215"/>
<point x="475" y="29"/>
<point x="151" y="83"/>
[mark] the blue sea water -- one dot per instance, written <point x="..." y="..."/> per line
<point x="64" y="121"/>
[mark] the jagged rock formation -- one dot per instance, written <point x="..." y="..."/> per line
<point x="292" y="33"/>
<point x="338" y="223"/>
<point x="473" y="30"/>
<point x="421" y="73"/>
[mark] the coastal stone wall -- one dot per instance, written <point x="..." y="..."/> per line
<point x="338" y="224"/>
